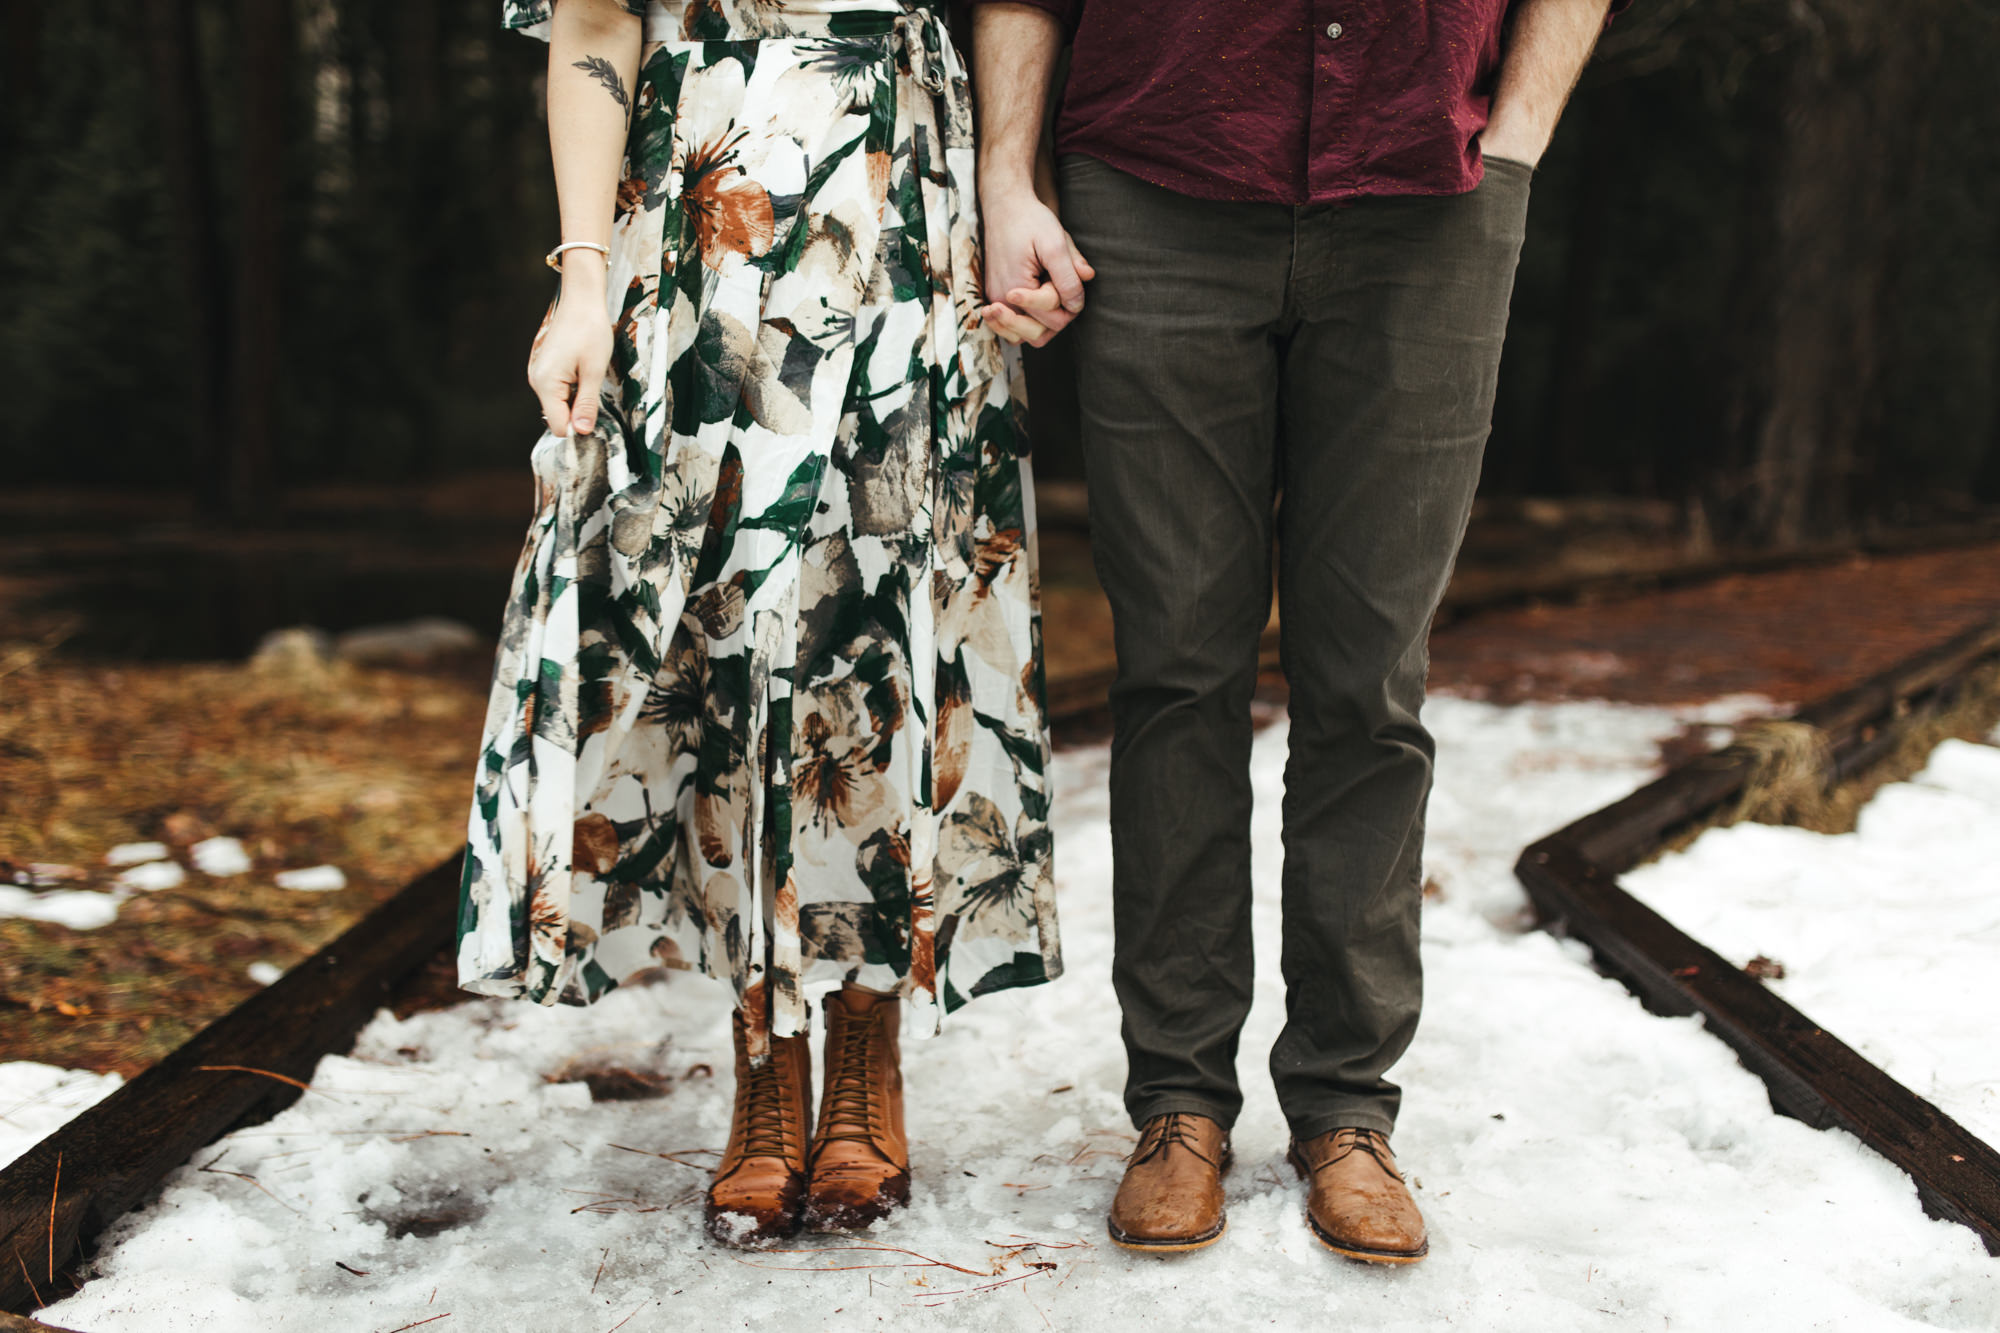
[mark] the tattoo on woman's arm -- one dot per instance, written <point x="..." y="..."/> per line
<point x="597" y="67"/>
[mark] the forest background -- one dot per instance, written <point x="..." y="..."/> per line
<point x="249" y="245"/>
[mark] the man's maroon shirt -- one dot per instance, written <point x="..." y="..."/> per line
<point x="1283" y="101"/>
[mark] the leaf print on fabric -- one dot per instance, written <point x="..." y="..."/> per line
<point x="953" y="732"/>
<point x="594" y="845"/>
<point x="996" y="866"/>
<point x="833" y="777"/>
<point x="766" y="703"/>
<point x="731" y="213"/>
<point x="677" y="698"/>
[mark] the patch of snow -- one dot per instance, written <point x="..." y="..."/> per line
<point x="220" y="857"/>
<point x="1889" y="936"/>
<point x="79" y="909"/>
<point x="1582" y="1164"/>
<point x="152" y="876"/>
<point x="312" y="879"/>
<point x="36" y="1100"/>
<point x="135" y="853"/>
<point x="408" y="643"/>
<point x="264" y="973"/>
<point x="297" y="646"/>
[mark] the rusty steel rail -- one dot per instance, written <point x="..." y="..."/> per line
<point x="1572" y="878"/>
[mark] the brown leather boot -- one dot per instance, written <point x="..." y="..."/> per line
<point x="760" y="1184"/>
<point x="1171" y="1198"/>
<point x="1358" y="1205"/>
<point x="860" y="1161"/>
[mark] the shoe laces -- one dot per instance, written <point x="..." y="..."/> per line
<point x="1347" y="1142"/>
<point x="767" y="1129"/>
<point x="1171" y="1128"/>
<point x="852" y="1111"/>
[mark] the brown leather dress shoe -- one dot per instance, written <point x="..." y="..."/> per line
<point x="1358" y="1205"/>
<point x="860" y="1159"/>
<point x="760" y="1184"/>
<point x="1171" y="1198"/>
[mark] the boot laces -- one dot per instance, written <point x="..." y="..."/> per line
<point x="851" y="1111"/>
<point x="767" y="1129"/>
<point x="1347" y="1142"/>
<point x="1175" y="1127"/>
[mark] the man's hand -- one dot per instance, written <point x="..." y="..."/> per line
<point x="1034" y="275"/>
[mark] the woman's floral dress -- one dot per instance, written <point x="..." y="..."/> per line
<point x="768" y="700"/>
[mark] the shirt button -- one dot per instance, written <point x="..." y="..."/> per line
<point x="1333" y="31"/>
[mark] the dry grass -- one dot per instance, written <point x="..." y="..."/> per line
<point x="1791" y="781"/>
<point x="366" y="770"/>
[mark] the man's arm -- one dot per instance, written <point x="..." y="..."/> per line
<point x="1034" y="276"/>
<point x="1548" y="44"/>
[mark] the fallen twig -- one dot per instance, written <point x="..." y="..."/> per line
<point x="674" y="1156"/>
<point x="432" y="1320"/>
<point x="213" y="1169"/>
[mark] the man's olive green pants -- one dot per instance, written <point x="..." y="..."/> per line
<point x="1319" y="378"/>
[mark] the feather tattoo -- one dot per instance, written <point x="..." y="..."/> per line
<point x="597" y="67"/>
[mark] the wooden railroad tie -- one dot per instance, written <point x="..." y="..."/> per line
<point x="114" y="1154"/>
<point x="1572" y="878"/>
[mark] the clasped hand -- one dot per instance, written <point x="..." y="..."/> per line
<point x="1034" y="274"/>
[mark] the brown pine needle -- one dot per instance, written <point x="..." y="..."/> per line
<point x="628" y="1318"/>
<point x="33" y="1290"/>
<point x="432" y="1320"/>
<point x="358" y="1272"/>
<point x="925" y="1261"/>
<point x="1033" y="1271"/>
<point x="674" y="1156"/>
<point x="53" y="1189"/>
<point x="282" y="1078"/>
<point x="244" y="1175"/>
<point x="600" y="1271"/>
<point x="1023" y="1242"/>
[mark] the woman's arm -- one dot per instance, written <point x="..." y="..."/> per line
<point x="593" y="69"/>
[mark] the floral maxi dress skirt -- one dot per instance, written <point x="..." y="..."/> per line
<point x="768" y="701"/>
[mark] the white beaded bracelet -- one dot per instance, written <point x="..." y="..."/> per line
<point x="554" y="257"/>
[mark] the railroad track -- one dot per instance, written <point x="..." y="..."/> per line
<point x="1572" y="878"/>
<point x="255" y="1060"/>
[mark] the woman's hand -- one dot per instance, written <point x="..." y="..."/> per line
<point x="572" y="350"/>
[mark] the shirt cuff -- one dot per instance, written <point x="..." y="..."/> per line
<point x="1066" y="11"/>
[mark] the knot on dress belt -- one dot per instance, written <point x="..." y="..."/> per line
<point x="928" y="48"/>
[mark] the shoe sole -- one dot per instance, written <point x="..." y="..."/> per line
<point x="1345" y="1249"/>
<point x="831" y="1219"/>
<point x="1139" y="1245"/>
<point x="1363" y="1255"/>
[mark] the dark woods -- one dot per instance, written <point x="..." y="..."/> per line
<point x="254" y="242"/>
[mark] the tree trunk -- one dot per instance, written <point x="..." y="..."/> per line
<point x="251" y="475"/>
<point x="1567" y="457"/>
<point x="184" y="157"/>
<point x="1814" y="308"/>
<point x="22" y="21"/>
<point x="418" y="111"/>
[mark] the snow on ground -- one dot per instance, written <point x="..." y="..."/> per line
<point x="1888" y="935"/>
<point x="36" y="1100"/>
<point x="1583" y="1165"/>
<point x="36" y="895"/>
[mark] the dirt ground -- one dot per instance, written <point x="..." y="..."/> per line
<point x="369" y="769"/>
<point x="1792" y="635"/>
